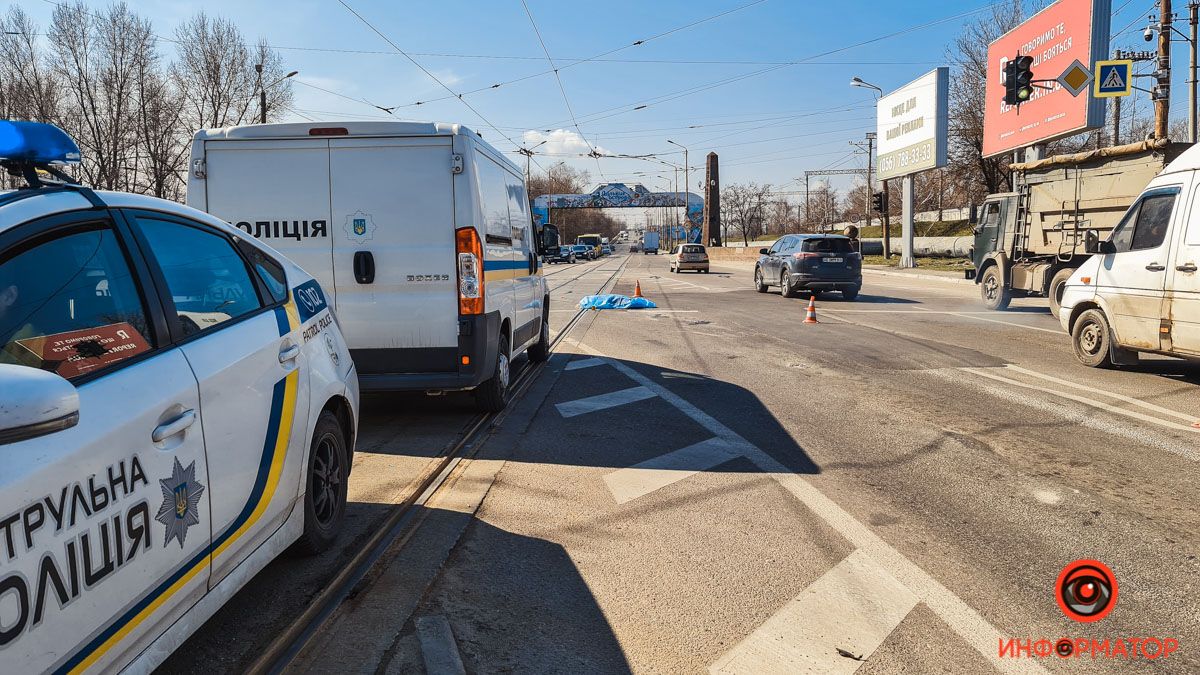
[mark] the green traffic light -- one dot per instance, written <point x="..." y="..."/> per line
<point x="1024" y="93"/>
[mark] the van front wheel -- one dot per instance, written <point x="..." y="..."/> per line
<point x="1091" y="339"/>
<point x="492" y="395"/>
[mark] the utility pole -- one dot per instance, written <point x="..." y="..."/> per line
<point x="871" y="135"/>
<point x="1193" y="21"/>
<point x="262" y="95"/>
<point x="1162" y="97"/>
<point x="1116" y="137"/>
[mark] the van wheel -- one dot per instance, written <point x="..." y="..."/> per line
<point x="1057" y="285"/>
<point x="995" y="296"/>
<point x="1091" y="339"/>
<point x="540" y="352"/>
<point x="760" y="284"/>
<point x="492" y="396"/>
<point x="325" y="496"/>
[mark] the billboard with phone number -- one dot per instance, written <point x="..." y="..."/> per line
<point x="1054" y="37"/>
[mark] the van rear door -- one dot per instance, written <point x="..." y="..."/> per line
<point x="277" y="191"/>
<point x="393" y="209"/>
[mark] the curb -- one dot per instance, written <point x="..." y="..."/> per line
<point x="918" y="275"/>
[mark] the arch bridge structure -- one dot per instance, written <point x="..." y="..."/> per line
<point x="620" y="195"/>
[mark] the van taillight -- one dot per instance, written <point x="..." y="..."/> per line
<point x="470" y="271"/>
<point x="328" y="131"/>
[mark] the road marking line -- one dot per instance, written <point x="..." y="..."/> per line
<point x="1120" y="397"/>
<point x="1085" y="400"/>
<point x="604" y="401"/>
<point x="804" y="635"/>
<point x="654" y="474"/>
<point x="584" y="363"/>
<point x="1006" y="323"/>
<point x="958" y="615"/>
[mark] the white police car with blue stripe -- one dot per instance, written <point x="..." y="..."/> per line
<point x="177" y="407"/>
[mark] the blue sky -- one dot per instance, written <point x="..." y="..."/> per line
<point x="768" y="128"/>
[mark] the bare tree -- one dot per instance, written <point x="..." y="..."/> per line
<point x="744" y="210"/>
<point x="163" y="141"/>
<point x="29" y="89"/>
<point x="97" y="57"/>
<point x="216" y="74"/>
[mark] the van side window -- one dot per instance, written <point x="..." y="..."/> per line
<point x="493" y="197"/>
<point x="1145" y="227"/>
<point x="518" y="212"/>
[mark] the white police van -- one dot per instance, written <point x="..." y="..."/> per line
<point x="420" y="232"/>
<point x="177" y="407"/>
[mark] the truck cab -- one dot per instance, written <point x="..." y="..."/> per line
<point x="1140" y="290"/>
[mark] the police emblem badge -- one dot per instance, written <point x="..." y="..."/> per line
<point x="181" y="502"/>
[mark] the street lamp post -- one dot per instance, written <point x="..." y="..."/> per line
<point x="686" y="182"/>
<point x="887" y="230"/>
<point x="262" y="91"/>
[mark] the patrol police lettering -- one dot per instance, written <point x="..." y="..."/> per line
<point x="284" y="229"/>
<point x="86" y="558"/>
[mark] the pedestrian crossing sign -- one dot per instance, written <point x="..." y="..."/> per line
<point x="1113" y="78"/>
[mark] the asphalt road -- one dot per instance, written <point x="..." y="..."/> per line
<point x="399" y="437"/>
<point x="716" y="486"/>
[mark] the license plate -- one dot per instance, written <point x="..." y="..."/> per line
<point x="834" y="260"/>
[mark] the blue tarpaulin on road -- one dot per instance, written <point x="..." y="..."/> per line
<point x="615" y="302"/>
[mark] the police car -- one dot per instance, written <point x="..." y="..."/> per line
<point x="177" y="407"/>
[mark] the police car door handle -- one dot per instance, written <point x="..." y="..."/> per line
<point x="289" y="353"/>
<point x="176" y="426"/>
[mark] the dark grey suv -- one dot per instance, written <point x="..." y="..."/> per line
<point x="810" y="263"/>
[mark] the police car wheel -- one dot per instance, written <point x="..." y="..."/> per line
<point x="492" y="395"/>
<point x="325" y="497"/>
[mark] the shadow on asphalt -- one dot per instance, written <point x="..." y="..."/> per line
<point x="626" y="435"/>
<point x="515" y="604"/>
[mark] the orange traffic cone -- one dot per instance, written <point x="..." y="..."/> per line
<point x="637" y="289"/>
<point x="811" y="315"/>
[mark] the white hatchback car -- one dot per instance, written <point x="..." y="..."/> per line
<point x="177" y="407"/>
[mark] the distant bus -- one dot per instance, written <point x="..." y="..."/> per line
<point x="593" y="240"/>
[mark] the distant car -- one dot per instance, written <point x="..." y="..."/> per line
<point x="633" y="248"/>
<point x="689" y="257"/>
<point x="564" y="254"/>
<point x="584" y="251"/>
<point x="606" y="249"/>
<point x="810" y="263"/>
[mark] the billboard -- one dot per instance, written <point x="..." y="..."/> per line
<point x="913" y="123"/>
<point x="1055" y="37"/>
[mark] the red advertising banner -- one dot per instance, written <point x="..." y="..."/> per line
<point x="1055" y="37"/>
<point x="76" y="352"/>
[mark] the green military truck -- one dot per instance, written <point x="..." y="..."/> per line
<point x="1029" y="241"/>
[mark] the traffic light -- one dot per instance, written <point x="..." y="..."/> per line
<point x="879" y="202"/>
<point x="1018" y="80"/>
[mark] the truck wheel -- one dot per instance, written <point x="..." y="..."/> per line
<point x="325" y="496"/>
<point x="760" y="285"/>
<point x="1091" y="339"/>
<point x="492" y="396"/>
<point x="540" y="352"/>
<point x="1057" y="285"/>
<point x="995" y="296"/>
<point x="785" y="285"/>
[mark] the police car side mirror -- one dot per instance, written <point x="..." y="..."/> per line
<point x="34" y="403"/>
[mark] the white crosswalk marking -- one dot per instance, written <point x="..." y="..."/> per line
<point x="584" y="363"/>
<point x="654" y="474"/>
<point x="804" y="635"/>
<point x="604" y="401"/>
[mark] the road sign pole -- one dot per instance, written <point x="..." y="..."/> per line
<point x="907" y="260"/>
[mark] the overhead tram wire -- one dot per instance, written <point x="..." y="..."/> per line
<point x="636" y="43"/>
<point x="426" y="71"/>
<point x="658" y="100"/>
<point x="558" y="78"/>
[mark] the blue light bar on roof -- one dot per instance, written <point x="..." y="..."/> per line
<point x="36" y="143"/>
